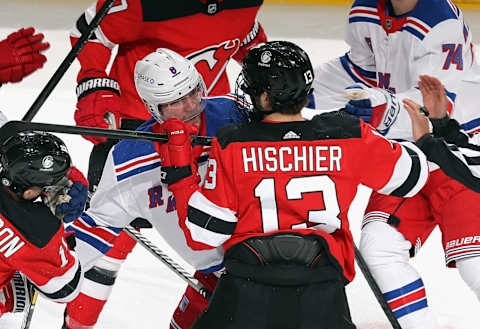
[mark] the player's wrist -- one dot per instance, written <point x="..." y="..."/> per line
<point x="173" y="174"/>
<point x="90" y="85"/>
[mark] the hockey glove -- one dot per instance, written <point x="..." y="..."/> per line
<point x="98" y="104"/>
<point x="373" y="105"/>
<point x="76" y="196"/>
<point x="20" y="54"/>
<point x="15" y="295"/>
<point x="176" y="155"/>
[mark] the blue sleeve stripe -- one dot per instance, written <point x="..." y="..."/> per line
<point x="451" y="96"/>
<point x="415" y="285"/>
<point x="138" y="170"/>
<point x="364" y="73"/>
<point x="360" y="77"/>
<point x="212" y="269"/>
<point x="411" y="308"/>
<point x="87" y="238"/>
<point x="90" y="222"/>
<point x="471" y="125"/>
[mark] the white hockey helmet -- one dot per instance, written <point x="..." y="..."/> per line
<point x="170" y="86"/>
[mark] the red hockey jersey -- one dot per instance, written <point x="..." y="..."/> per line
<point x="269" y="177"/>
<point x="209" y="34"/>
<point x="32" y="242"/>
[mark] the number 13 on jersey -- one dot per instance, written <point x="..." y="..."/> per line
<point x="322" y="186"/>
<point x="322" y="208"/>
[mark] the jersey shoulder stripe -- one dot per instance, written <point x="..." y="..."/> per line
<point x="131" y="158"/>
<point x="364" y="11"/>
<point x="137" y="166"/>
<point x="419" y="22"/>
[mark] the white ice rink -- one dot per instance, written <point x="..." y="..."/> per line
<point x="146" y="292"/>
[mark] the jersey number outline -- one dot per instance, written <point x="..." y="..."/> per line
<point x="327" y="219"/>
<point x="454" y="55"/>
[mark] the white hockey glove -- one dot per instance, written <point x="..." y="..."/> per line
<point x="376" y="106"/>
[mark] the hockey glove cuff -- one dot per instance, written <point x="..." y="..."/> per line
<point x="376" y="106"/>
<point x="98" y="104"/>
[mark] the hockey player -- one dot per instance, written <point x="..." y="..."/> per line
<point x="392" y="43"/>
<point x="276" y="197"/>
<point x="21" y="54"/>
<point x="33" y="241"/>
<point x="209" y="33"/>
<point x="131" y="185"/>
<point x="454" y="151"/>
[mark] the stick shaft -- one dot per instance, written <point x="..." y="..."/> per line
<point x="160" y="255"/>
<point x="67" y="62"/>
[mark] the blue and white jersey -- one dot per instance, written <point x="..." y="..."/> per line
<point x="392" y="52"/>
<point x="130" y="187"/>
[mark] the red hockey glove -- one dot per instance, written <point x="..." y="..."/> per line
<point x="98" y="100"/>
<point x="176" y="155"/>
<point x="17" y="289"/>
<point x="77" y="196"/>
<point x="20" y="55"/>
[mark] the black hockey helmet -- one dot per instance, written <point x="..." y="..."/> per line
<point x="33" y="159"/>
<point x="282" y="69"/>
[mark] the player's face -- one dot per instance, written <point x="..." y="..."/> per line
<point x="188" y="108"/>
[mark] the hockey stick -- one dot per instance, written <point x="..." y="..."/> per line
<point x="376" y="289"/>
<point x="67" y="61"/>
<point x="13" y="127"/>
<point x="27" y="318"/>
<point x="160" y="255"/>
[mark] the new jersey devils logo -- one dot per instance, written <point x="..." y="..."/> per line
<point x="212" y="61"/>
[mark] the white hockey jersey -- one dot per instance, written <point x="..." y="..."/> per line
<point x="130" y="187"/>
<point x="391" y="52"/>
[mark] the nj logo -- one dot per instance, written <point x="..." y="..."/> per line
<point x="212" y="61"/>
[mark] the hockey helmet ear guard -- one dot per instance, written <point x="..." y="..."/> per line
<point x="280" y="68"/>
<point x="170" y="86"/>
<point x="33" y="159"/>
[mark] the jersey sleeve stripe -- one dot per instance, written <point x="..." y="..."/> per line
<point x="200" y="202"/>
<point x="358" y="74"/>
<point x="84" y="21"/>
<point x="199" y="234"/>
<point x="89" y="222"/>
<point x="101" y="275"/>
<point x="409" y="174"/>
<point x="82" y="27"/>
<point x="69" y="283"/>
<point x="93" y="240"/>
<point x="471" y="126"/>
<point x="209" y="222"/>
